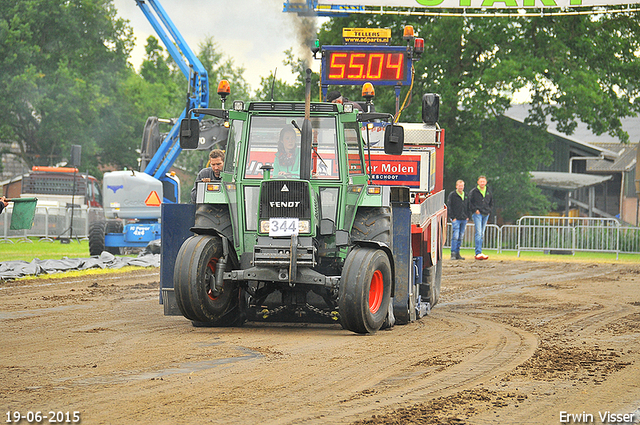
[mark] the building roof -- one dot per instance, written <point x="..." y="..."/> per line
<point x="582" y="136"/>
<point x="615" y="157"/>
<point x="582" y="132"/>
<point x="626" y="160"/>
<point x="565" y="181"/>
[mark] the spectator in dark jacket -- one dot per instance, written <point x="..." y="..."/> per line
<point x="481" y="205"/>
<point x="458" y="212"/>
<point x="3" y="203"/>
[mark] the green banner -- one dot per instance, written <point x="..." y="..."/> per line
<point x="24" y="211"/>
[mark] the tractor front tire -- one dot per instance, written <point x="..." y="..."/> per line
<point x="194" y="272"/>
<point x="365" y="290"/>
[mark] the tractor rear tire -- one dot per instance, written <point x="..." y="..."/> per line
<point x="365" y="290"/>
<point x="96" y="238"/>
<point x="214" y="217"/>
<point x="195" y="268"/>
<point x="372" y="224"/>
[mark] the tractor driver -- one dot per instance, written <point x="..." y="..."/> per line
<point x="211" y="173"/>
<point x="287" y="161"/>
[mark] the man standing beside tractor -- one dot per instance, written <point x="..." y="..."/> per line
<point x="211" y="173"/>
<point x="458" y="211"/>
<point x="480" y="205"/>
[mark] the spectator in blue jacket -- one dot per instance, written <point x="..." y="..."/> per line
<point x="458" y="212"/>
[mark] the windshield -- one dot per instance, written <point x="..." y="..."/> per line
<point x="276" y="141"/>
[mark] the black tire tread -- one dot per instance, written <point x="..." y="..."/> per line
<point x="372" y="224"/>
<point x="190" y="288"/>
<point x="214" y="217"/>
<point x="353" y="298"/>
<point x="96" y="237"/>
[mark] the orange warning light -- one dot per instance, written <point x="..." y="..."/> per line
<point x="153" y="200"/>
<point x="224" y="88"/>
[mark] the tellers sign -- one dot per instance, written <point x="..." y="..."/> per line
<point x="379" y="65"/>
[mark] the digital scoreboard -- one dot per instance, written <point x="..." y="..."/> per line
<point x="379" y="65"/>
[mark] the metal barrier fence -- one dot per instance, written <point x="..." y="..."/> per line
<point x="556" y="234"/>
<point x="568" y="234"/>
<point x="50" y="223"/>
<point x="565" y="234"/>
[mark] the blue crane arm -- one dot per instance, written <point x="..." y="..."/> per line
<point x="193" y="70"/>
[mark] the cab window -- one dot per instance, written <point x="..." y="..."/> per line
<point x="235" y="134"/>
<point x="352" y="138"/>
<point x="276" y="141"/>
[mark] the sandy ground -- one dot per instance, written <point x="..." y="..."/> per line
<point x="512" y="342"/>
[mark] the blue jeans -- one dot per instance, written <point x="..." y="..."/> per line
<point x="480" y="223"/>
<point x="457" y="234"/>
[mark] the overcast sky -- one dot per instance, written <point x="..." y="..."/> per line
<point x="254" y="33"/>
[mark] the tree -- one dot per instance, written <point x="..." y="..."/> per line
<point x="60" y="64"/>
<point x="218" y="67"/>
<point x="575" y="67"/>
<point x="155" y="67"/>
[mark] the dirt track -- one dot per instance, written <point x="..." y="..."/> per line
<point x="512" y="342"/>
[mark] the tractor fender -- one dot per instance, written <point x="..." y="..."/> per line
<point x="207" y="231"/>
<point x="213" y="219"/>
<point x="227" y="244"/>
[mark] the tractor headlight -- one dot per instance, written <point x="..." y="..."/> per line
<point x="304" y="226"/>
<point x="213" y="187"/>
<point x="238" y="105"/>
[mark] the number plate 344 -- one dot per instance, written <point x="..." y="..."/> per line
<point x="283" y="226"/>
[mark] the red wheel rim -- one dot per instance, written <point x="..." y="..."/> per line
<point x="212" y="269"/>
<point x="376" y="290"/>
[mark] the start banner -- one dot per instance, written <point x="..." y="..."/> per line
<point x="477" y="4"/>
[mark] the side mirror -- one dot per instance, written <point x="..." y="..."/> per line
<point x="393" y="139"/>
<point x="189" y="133"/>
<point x="430" y="108"/>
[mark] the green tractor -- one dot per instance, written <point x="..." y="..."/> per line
<point x="295" y="230"/>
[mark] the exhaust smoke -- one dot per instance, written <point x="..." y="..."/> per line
<point x="305" y="30"/>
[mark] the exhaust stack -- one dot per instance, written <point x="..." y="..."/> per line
<point x="307" y="133"/>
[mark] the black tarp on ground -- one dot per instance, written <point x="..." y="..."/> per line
<point x="16" y="269"/>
